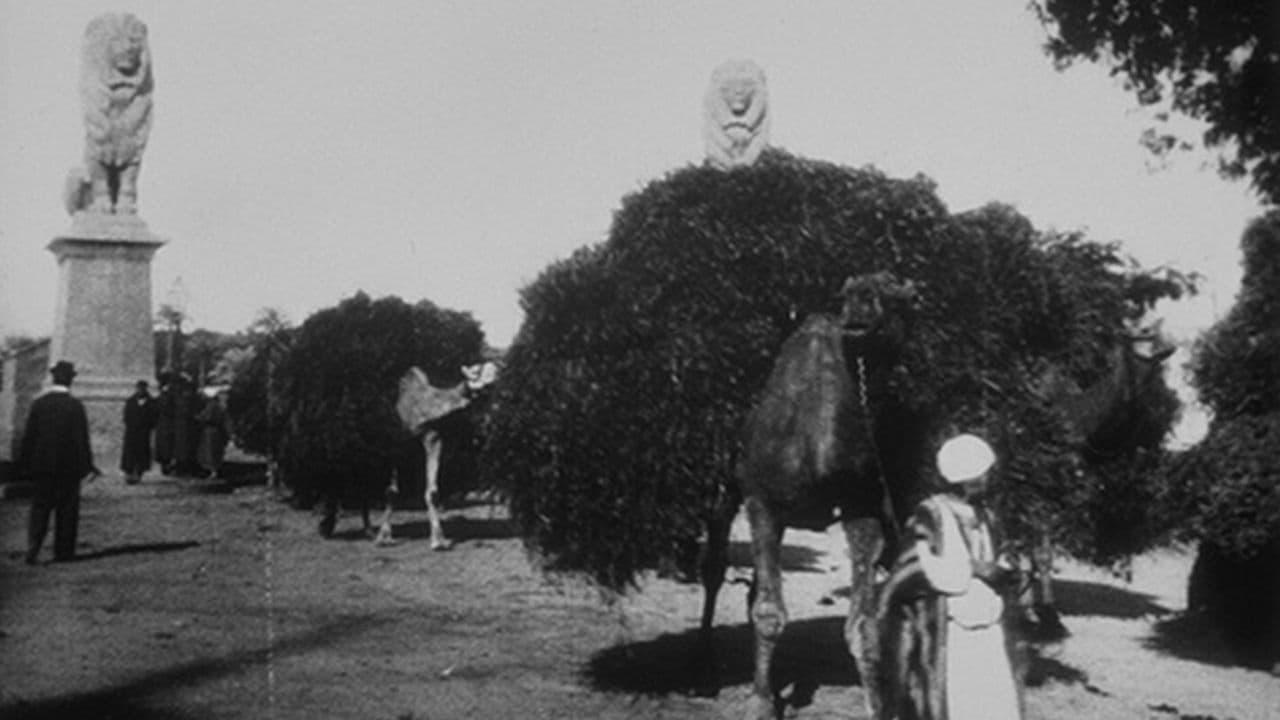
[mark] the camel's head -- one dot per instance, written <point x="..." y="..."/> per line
<point x="868" y="298"/>
<point x="1148" y="342"/>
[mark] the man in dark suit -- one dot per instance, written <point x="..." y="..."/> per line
<point x="55" y="455"/>
<point x="140" y="412"/>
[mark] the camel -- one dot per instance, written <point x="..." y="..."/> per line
<point x="810" y="459"/>
<point x="1134" y="364"/>
<point x="911" y="636"/>
<point x="422" y="408"/>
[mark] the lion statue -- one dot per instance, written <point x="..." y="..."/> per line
<point x="115" y="95"/>
<point x="736" y="128"/>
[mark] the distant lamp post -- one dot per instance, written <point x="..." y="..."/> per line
<point x="172" y="313"/>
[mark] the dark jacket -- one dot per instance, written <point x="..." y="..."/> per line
<point x="140" y="413"/>
<point x="55" y="445"/>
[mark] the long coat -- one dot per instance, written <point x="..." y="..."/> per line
<point x="215" y="432"/>
<point x="166" y="414"/>
<point x="944" y="654"/>
<point x="55" y="451"/>
<point x="140" y="414"/>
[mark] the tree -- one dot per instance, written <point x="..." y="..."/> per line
<point x="1215" y="61"/>
<point x="204" y="355"/>
<point x="253" y="401"/>
<point x="169" y="353"/>
<point x="1228" y="485"/>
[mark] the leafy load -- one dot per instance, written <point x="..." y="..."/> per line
<point x="620" y="406"/>
<point x="339" y="379"/>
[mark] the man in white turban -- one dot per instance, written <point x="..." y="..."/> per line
<point x="944" y="652"/>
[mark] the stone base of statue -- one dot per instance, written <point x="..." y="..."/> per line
<point x="103" y="320"/>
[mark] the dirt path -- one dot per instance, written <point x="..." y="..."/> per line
<point x="191" y="605"/>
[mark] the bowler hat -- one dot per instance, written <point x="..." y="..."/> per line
<point x="62" y="368"/>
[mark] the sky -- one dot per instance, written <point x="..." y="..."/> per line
<point x="450" y="150"/>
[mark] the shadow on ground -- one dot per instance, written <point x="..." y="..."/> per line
<point x="129" y="701"/>
<point x="457" y="529"/>
<point x="1078" y="597"/>
<point x="1041" y="668"/>
<point x="811" y="654"/>
<point x="795" y="558"/>
<point x="1196" y="637"/>
<point x="136" y="549"/>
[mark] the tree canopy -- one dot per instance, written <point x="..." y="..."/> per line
<point x="1217" y="61"/>
<point x="1230" y="481"/>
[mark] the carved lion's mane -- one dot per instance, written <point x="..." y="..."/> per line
<point x="736" y="123"/>
<point x="115" y="88"/>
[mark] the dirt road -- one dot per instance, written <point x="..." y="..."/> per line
<point x="191" y="604"/>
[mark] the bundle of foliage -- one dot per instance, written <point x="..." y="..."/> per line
<point x="623" y="395"/>
<point x="1218" y="62"/>
<point x="339" y="380"/>
<point x="1228" y="485"/>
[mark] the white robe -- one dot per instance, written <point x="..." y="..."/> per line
<point x="979" y="677"/>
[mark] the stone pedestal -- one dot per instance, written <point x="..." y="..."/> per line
<point x="103" y="322"/>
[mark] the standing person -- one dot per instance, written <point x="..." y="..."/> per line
<point x="943" y="651"/>
<point x="55" y="455"/>
<point x="166" y="417"/>
<point x="186" y="434"/>
<point x="215" y="431"/>
<point x="140" y="414"/>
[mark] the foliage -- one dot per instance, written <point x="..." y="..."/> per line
<point x="339" y="378"/>
<point x="254" y="402"/>
<point x="1235" y="363"/>
<point x="1229" y="484"/>
<point x="204" y="355"/>
<point x="1219" y="62"/>
<point x="11" y="343"/>
<point x="623" y="394"/>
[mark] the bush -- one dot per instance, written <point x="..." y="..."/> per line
<point x="1229" y="483"/>
<point x="623" y="394"/>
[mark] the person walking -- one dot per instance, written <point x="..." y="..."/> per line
<point x="943" y="651"/>
<point x="55" y="456"/>
<point x="140" y="415"/>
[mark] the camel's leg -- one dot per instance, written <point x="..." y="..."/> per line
<point x="1043" y="607"/>
<point x="384" y="527"/>
<point x="715" y="561"/>
<point x="432" y="444"/>
<point x="768" y="613"/>
<point x="866" y="542"/>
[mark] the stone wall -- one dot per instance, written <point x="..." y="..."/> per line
<point x="25" y="372"/>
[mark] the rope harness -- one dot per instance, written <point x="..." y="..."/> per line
<point x="890" y="518"/>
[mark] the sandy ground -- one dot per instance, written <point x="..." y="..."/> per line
<point x="194" y="602"/>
